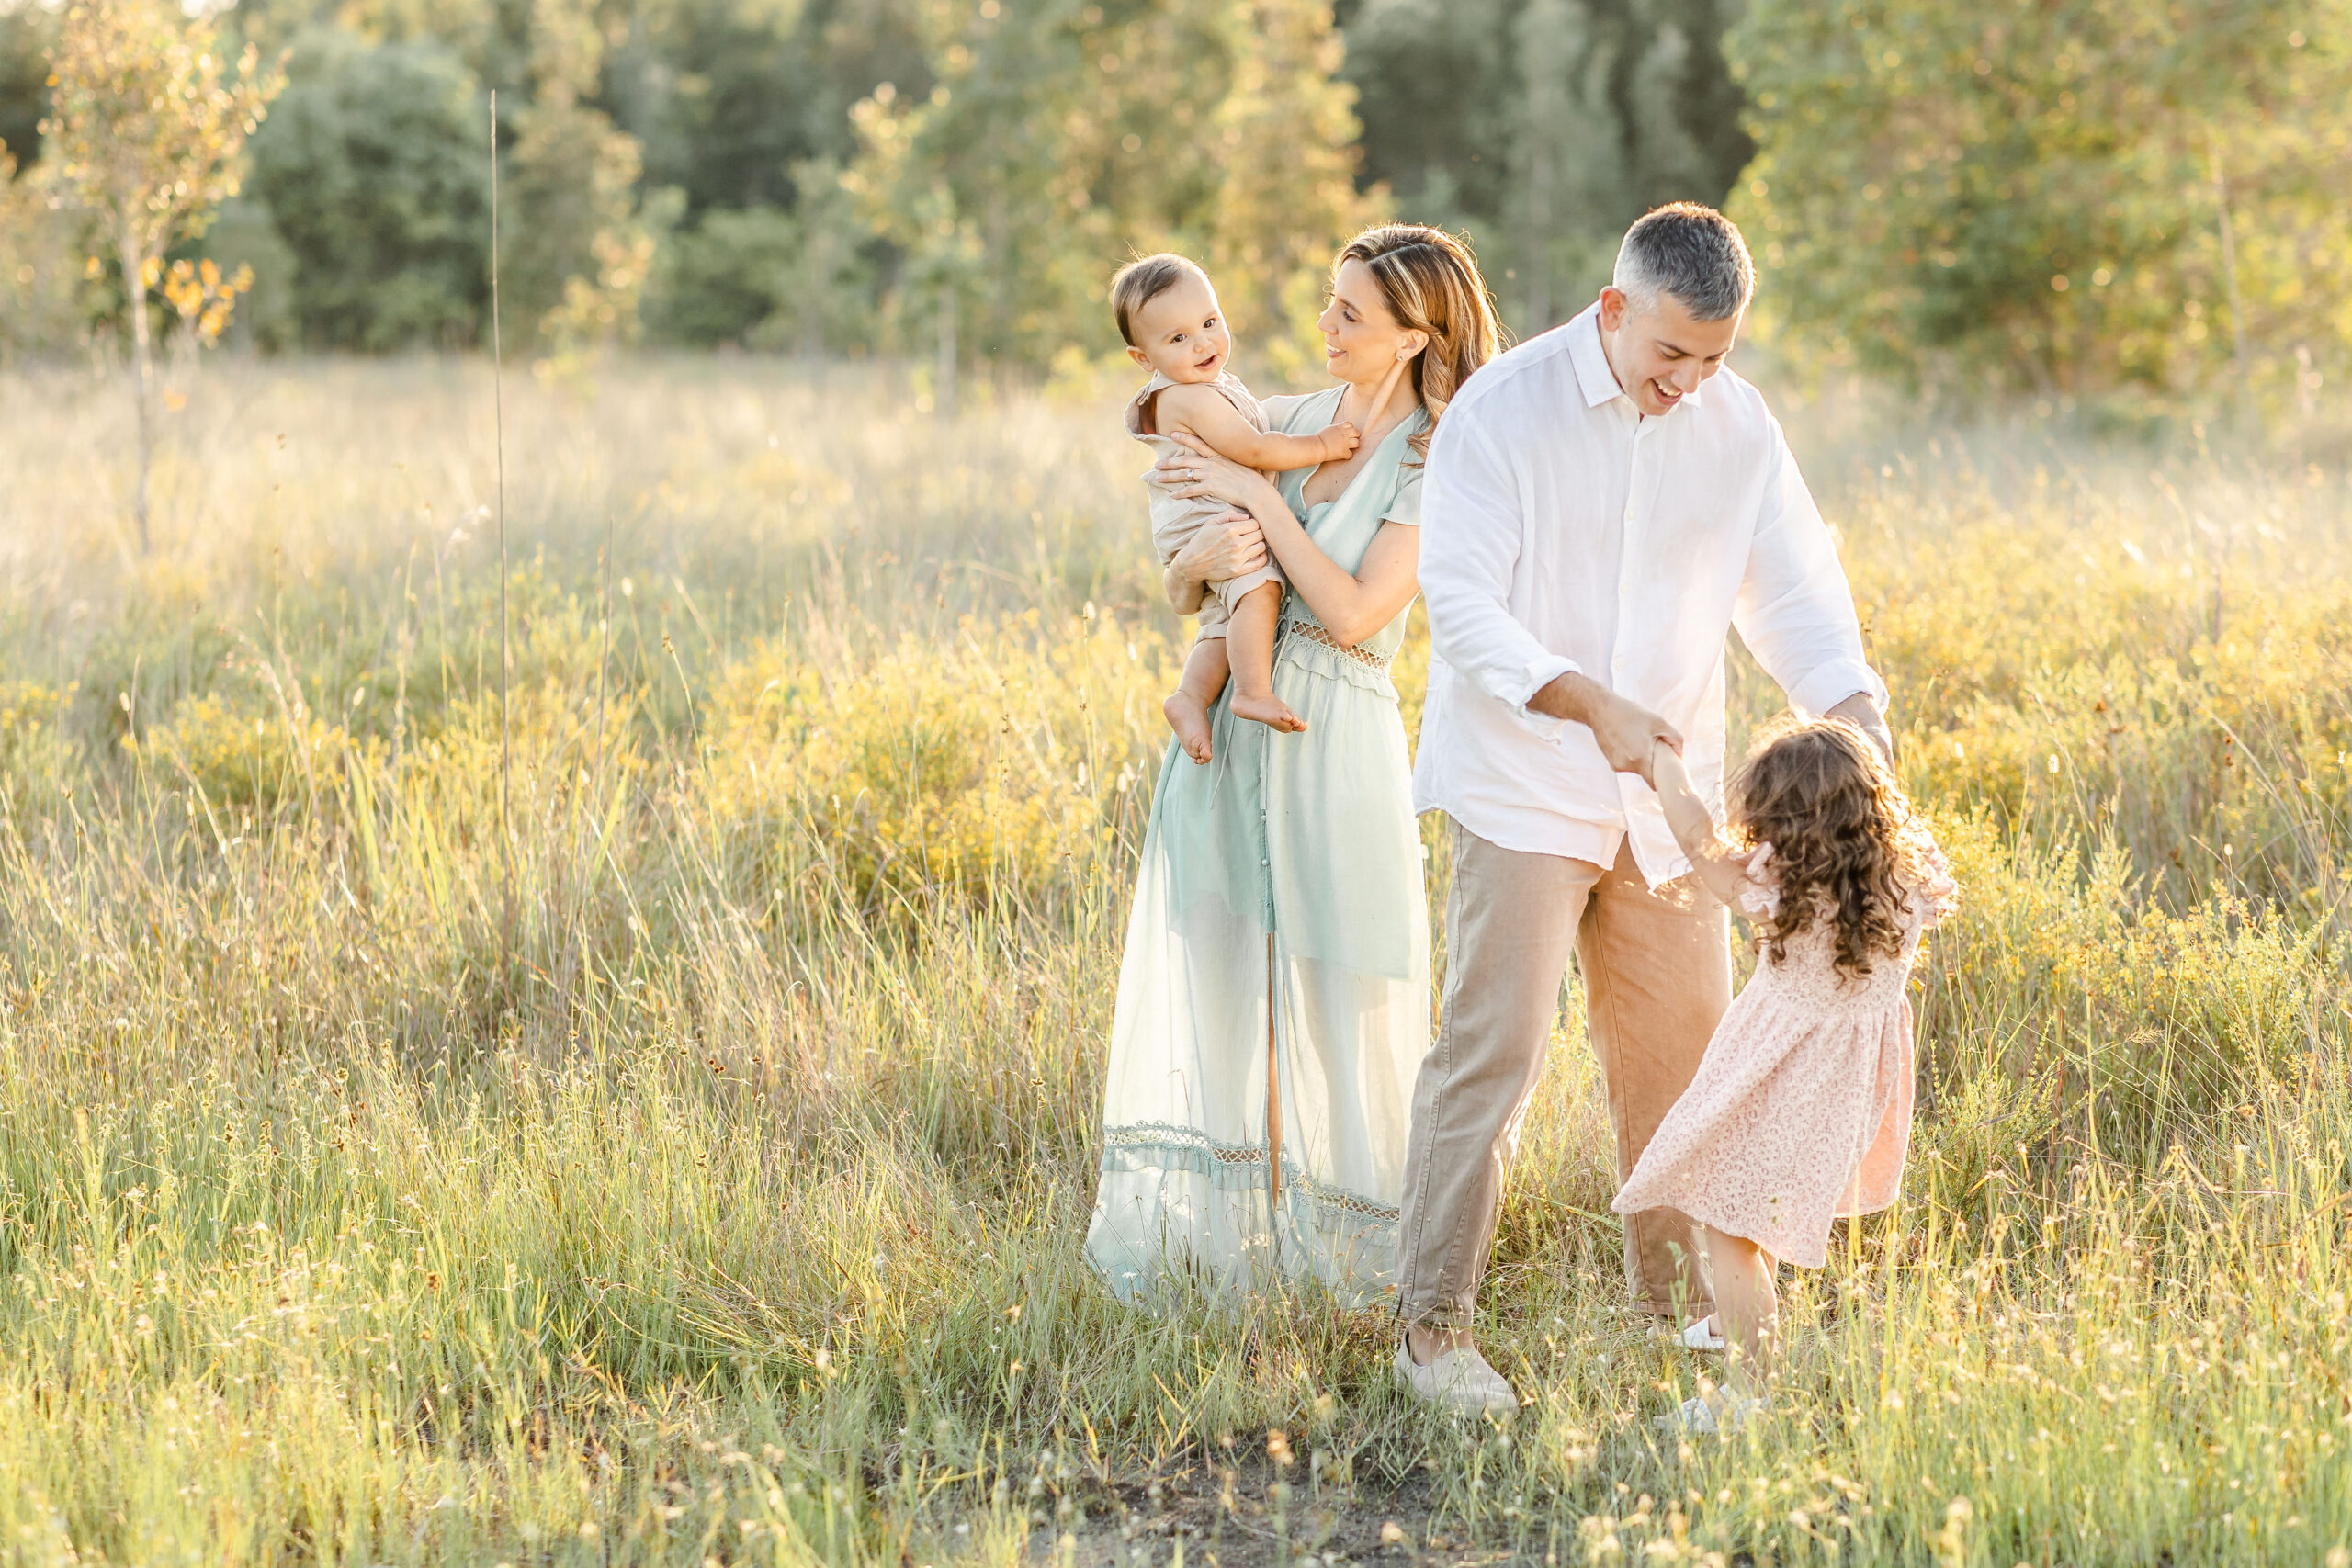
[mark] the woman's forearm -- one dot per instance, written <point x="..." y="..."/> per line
<point x="1351" y="608"/>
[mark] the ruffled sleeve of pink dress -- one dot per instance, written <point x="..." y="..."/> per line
<point x="1801" y="1111"/>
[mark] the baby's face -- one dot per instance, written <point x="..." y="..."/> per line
<point x="1182" y="334"/>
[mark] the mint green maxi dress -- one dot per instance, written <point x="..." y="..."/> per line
<point x="1307" y="840"/>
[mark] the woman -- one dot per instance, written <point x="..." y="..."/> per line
<point x="1273" y="1002"/>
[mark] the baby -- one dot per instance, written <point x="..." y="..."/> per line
<point x="1169" y="315"/>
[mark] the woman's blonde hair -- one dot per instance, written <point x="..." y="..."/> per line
<point x="1430" y="282"/>
<point x="1847" y="847"/>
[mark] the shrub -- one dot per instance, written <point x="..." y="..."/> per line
<point x="373" y="168"/>
<point x="923" y="773"/>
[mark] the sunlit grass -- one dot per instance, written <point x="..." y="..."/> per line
<point x="690" y="1162"/>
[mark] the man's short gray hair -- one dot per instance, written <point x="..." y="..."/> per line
<point x="1691" y="252"/>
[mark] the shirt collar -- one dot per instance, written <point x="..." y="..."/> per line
<point x="1594" y="377"/>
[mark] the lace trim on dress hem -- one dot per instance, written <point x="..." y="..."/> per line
<point x="1171" y="1138"/>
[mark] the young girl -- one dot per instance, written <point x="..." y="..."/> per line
<point x="1801" y="1111"/>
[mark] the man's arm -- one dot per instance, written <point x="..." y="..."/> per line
<point x="1204" y="412"/>
<point x="1795" y="609"/>
<point x="1864" y="714"/>
<point x="1626" y="732"/>
<point x="1470" y="536"/>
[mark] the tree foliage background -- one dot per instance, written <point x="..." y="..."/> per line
<point x="2094" y="197"/>
<point x="2069" y="196"/>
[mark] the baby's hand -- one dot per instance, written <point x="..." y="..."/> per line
<point x="1339" y="442"/>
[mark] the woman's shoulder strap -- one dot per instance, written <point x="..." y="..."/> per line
<point x="1289" y="411"/>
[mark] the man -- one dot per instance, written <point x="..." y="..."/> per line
<point x="1602" y="506"/>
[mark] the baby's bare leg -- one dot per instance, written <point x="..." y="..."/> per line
<point x="1188" y="706"/>
<point x="1251" y="633"/>
<point x="1747" y="1304"/>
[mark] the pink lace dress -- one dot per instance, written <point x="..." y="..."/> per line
<point x="1801" y="1111"/>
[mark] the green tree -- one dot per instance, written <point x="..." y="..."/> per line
<point x="728" y="96"/>
<point x="1567" y="160"/>
<point x="146" y="128"/>
<point x="765" y="277"/>
<point x="1544" y="127"/>
<point x="43" y="290"/>
<point x="721" y="281"/>
<point x="26" y="34"/>
<point x="2073" y="197"/>
<point x="1056" y="141"/>
<point x="1286" y="196"/>
<point x="373" y="170"/>
<point x="580" y="246"/>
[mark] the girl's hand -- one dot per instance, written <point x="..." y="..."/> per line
<point x="1230" y="545"/>
<point x="1204" y="473"/>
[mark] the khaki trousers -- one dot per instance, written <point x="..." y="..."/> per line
<point x="1657" y="978"/>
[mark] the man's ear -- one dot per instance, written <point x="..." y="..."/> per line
<point x="1138" y="355"/>
<point x="1615" y="306"/>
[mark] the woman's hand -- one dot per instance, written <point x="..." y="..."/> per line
<point x="1202" y="473"/>
<point x="1230" y="545"/>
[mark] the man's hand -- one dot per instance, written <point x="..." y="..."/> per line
<point x="1626" y="731"/>
<point x="1862" y="713"/>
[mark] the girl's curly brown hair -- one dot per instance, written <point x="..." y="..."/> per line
<point x="1845" y="846"/>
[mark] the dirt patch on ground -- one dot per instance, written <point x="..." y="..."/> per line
<point x="1236" y="1519"/>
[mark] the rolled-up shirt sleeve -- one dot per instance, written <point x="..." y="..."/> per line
<point x="1471" y="524"/>
<point x="1795" y="609"/>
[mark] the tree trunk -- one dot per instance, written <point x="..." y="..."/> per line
<point x="142" y="350"/>
<point x="943" y="394"/>
<point x="816" y="274"/>
<point x="2229" y="261"/>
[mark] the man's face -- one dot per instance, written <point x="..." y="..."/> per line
<point x="1661" y="354"/>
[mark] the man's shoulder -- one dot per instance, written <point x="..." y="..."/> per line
<point x="1526" y="372"/>
<point x="1733" y="403"/>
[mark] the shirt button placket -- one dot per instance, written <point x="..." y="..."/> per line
<point x="1641" y="429"/>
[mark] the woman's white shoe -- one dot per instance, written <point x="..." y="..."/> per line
<point x="1459" y="1382"/>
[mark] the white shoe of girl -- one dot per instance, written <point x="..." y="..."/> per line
<point x="1727" y="1413"/>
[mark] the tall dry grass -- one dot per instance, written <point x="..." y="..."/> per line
<point x="725" y="1204"/>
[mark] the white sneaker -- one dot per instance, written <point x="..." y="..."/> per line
<point x="1699" y="1335"/>
<point x="1459" y="1382"/>
<point x="1703" y="1415"/>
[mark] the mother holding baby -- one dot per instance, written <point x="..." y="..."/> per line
<point x="1274" y="1000"/>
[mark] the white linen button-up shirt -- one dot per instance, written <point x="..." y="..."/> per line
<point x="1562" y="530"/>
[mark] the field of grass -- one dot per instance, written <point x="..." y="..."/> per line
<point x="651" y="1119"/>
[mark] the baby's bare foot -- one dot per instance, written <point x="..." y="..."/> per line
<point x="1269" y="710"/>
<point x="1189" y="718"/>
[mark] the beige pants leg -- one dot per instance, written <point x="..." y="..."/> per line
<point x="1657" y="981"/>
<point x="1654" y="997"/>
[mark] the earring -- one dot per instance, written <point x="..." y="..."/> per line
<point x="1403" y="354"/>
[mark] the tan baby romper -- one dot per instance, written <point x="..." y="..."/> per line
<point x="1175" y="521"/>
